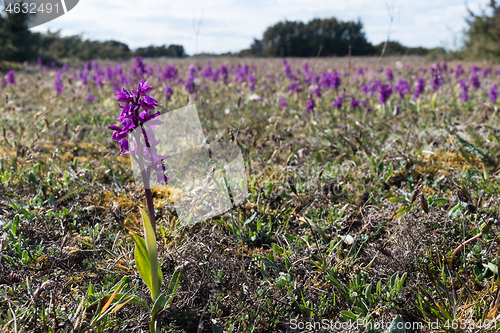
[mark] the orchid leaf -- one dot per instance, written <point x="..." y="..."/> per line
<point x="146" y="257"/>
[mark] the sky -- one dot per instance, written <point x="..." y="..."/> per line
<point x="219" y="26"/>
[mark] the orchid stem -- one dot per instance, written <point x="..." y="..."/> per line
<point x="151" y="207"/>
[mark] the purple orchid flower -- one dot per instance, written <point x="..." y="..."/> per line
<point x="283" y="103"/>
<point x="493" y="94"/>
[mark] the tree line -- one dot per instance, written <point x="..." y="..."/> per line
<point x="29" y="46"/>
<point x="318" y="37"/>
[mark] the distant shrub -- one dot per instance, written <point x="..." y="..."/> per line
<point x="394" y="48"/>
<point x="175" y="51"/>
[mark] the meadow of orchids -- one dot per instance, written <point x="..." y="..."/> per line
<point x="357" y="168"/>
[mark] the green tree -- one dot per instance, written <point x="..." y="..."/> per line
<point x="20" y="46"/>
<point x="482" y="37"/>
<point x="331" y="36"/>
<point x="257" y="47"/>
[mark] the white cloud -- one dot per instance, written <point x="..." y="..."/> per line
<point x="231" y="25"/>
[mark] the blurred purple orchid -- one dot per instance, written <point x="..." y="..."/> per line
<point x="311" y="104"/>
<point x="385" y="91"/>
<point x="283" y="103"/>
<point x="11" y="77"/>
<point x="474" y="80"/>
<point x="169" y="91"/>
<point x="402" y="88"/>
<point x="389" y="75"/>
<point x="420" y="88"/>
<point x="58" y="85"/>
<point x="337" y="103"/>
<point x="436" y="77"/>
<point x="465" y="90"/>
<point x="493" y="94"/>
